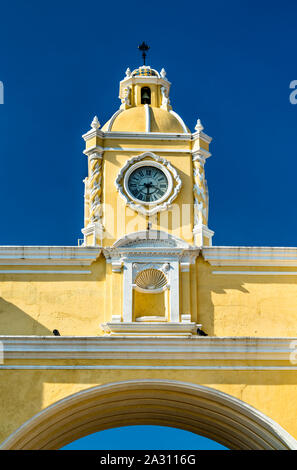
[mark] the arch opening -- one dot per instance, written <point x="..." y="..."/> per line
<point x="144" y="437"/>
<point x="202" y="410"/>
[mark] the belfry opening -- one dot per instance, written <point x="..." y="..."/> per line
<point x="145" y="95"/>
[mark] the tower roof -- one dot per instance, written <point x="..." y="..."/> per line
<point x="145" y="71"/>
<point x="146" y="119"/>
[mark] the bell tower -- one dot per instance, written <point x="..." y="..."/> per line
<point x="146" y="205"/>
<point x="145" y="167"/>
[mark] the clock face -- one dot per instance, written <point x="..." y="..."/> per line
<point x="148" y="184"/>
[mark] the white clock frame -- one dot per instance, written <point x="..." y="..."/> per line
<point x="155" y="165"/>
<point x="148" y="208"/>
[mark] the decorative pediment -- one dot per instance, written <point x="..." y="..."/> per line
<point x="151" y="239"/>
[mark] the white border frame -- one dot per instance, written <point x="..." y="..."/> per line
<point x="145" y="163"/>
<point x="153" y="208"/>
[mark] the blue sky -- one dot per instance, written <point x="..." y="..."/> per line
<point x="230" y="64"/>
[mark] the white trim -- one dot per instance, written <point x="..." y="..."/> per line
<point x="93" y="133"/>
<point x="144" y="367"/>
<point x="103" y="347"/>
<point x="258" y="273"/>
<point x="22" y="271"/>
<point x="151" y="329"/>
<point x="153" y="207"/>
<point x="177" y="116"/>
<point x="201" y="135"/>
<point x="200" y="153"/>
<point x="175" y="300"/>
<point x="147" y="118"/>
<point x="155" y="164"/>
<point x="48" y="255"/>
<point x="142" y="149"/>
<point x="158" y="165"/>
<point x="214" y="414"/>
<point x="147" y="135"/>
<point x="250" y="256"/>
<point x="200" y="231"/>
<point x="159" y="239"/>
<point x="127" y="293"/>
<point x="112" y="119"/>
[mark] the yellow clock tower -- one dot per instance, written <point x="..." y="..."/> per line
<point x="147" y="144"/>
<point x="146" y="204"/>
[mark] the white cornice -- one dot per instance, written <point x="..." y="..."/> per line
<point x="92" y="133"/>
<point x="97" y="149"/>
<point x="147" y="136"/>
<point x="250" y="256"/>
<point x="48" y="255"/>
<point x="106" y="347"/>
<point x="202" y="136"/>
<point x="143" y="149"/>
<point x="151" y="329"/>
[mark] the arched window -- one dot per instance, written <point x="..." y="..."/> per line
<point x="145" y="95"/>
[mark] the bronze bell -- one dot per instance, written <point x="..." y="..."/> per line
<point x="145" y="96"/>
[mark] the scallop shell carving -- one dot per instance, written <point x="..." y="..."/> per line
<point x="151" y="279"/>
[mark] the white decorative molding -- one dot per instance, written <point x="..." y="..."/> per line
<point x="146" y="367"/>
<point x="198" y="348"/>
<point x="177" y="116"/>
<point x="186" y="318"/>
<point x="147" y="118"/>
<point x="250" y="256"/>
<point x="149" y="158"/>
<point x="48" y="255"/>
<point x="165" y="99"/>
<point x="163" y="74"/>
<point x="144" y="163"/>
<point x="202" y="136"/>
<point x="142" y="149"/>
<point x="40" y="271"/>
<point x="201" y="198"/>
<point x="93" y="190"/>
<point x="200" y="232"/>
<point x="111" y="121"/>
<point x="96" y="230"/>
<point x="200" y="154"/>
<point x="117" y="266"/>
<point x="258" y="273"/>
<point x="146" y="136"/>
<point x="126" y="99"/>
<point x="95" y="124"/>
<point x="95" y="130"/>
<point x="213" y="413"/>
<point x="199" y="128"/>
<point x="151" y="249"/>
<point x="148" y="329"/>
<point x="150" y="278"/>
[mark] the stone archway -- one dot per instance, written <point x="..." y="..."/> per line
<point x="187" y="406"/>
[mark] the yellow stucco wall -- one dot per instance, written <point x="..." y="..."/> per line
<point x="119" y="219"/>
<point x="243" y="305"/>
<point x="36" y="304"/>
<point x="226" y="305"/>
<point x="23" y="393"/>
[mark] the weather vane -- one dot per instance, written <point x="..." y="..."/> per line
<point x="144" y="48"/>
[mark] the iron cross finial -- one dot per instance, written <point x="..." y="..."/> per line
<point x="144" y="48"/>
